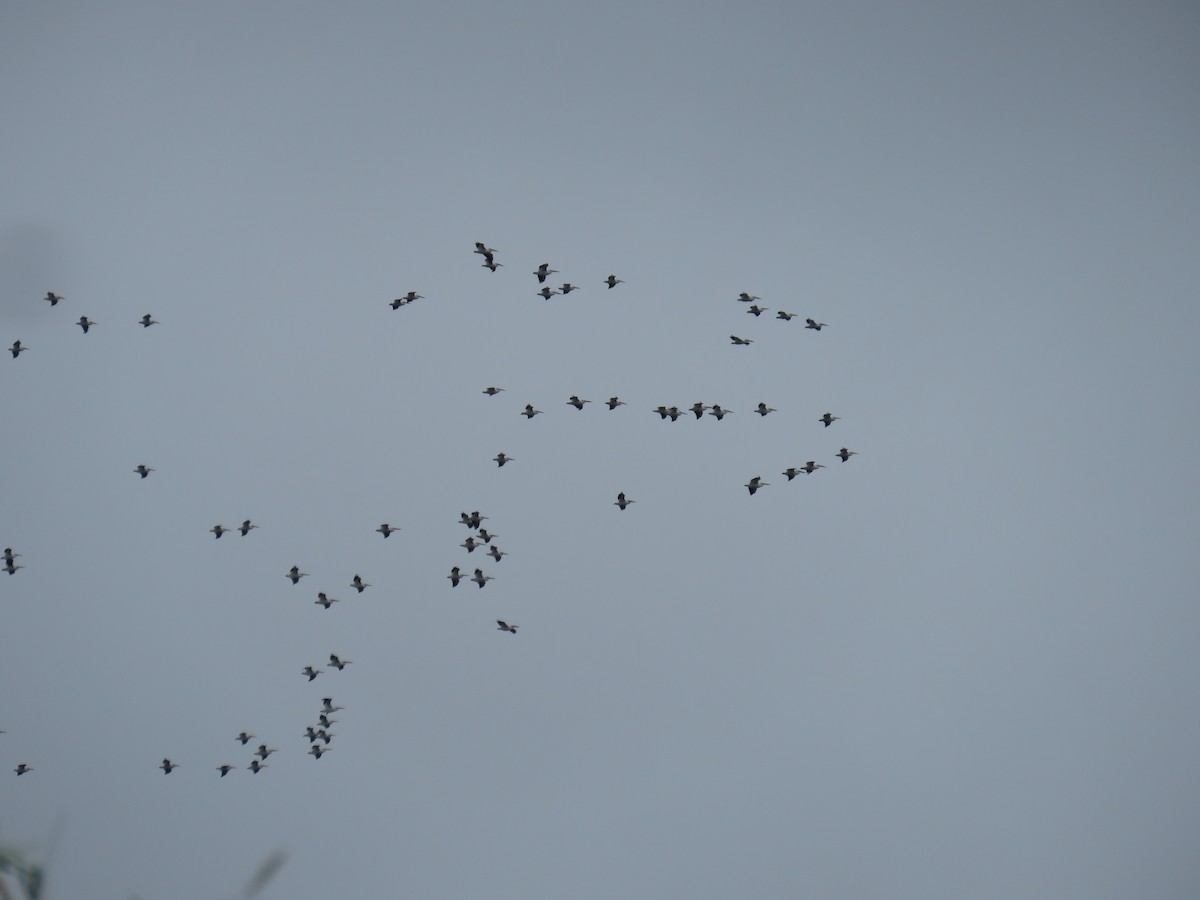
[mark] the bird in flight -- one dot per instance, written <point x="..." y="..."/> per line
<point x="17" y="349"/>
<point x="246" y="527"/>
<point x="295" y="574"/>
<point x="85" y="323"/>
<point x="53" y="298"/>
<point x="576" y="402"/>
<point x="846" y="454"/>
<point x="168" y="767"/>
<point x="385" y="529"/>
<point x="501" y="458"/>
<point x="828" y="419"/>
<point x="814" y="324"/>
<point x="492" y="391"/>
<point x="621" y="502"/>
<point x="504" y="626"/>
<point x="542" y="271"/>
<point x="612" y="281"/>
<point x="530" y="412"/>
<point x="741" y="341"/>
<point x="218" y="530"/>
<point x="358" y="584"/>
<point x="755" y="483"/>
<point x="143" y="470"/>
<point x="147" y="321"/>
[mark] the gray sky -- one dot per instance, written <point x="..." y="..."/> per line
<point x="962" y="664"/>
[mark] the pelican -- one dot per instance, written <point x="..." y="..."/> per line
<point x="325" y="721"/>
<point x="325" y="736"/>
<point x="85" y="323"/>
<point x="256" y="766"/>
<point x="543" y="270"/>
<point x="22" y="768"/>
<point x="53" y="298"/>
<point x="576" y="402"/>
<point x="755" y="483"/>
<point x="674" y="412"/>
<point x="264" y="751"/>
<point x="475" y="519"/>
<point x="480" y="579"/>
<point x="295" y="574"/>
<point x="614" y="402"/>
<point x="143" y="470"/>
<point x="245" y="737"/>
<point x="530" y="412"/>
<point x="9" y="556"/>
<point x="504" y="626"/>
<point x="311" y="672"/>
<point x="828" y="419"/>
<point x="846" y="454"/>
<point x="547" y="292"/>
<point x="17" y="349"/>
<point x="698" y="409"/>
<point x="786" y="316"/>
<point x="455" y="576"/>
<point x="325" y="601"/>
<point x="719" y="411"/>
<point x="612" y="281"/>
<point x="762" y="409"/>
<point x="740" y="341"/>
<point x="385" y="529"/>
<point x="756" y="310"/>
<point x="490" y="263"/>
<point x="168" y="766"/>
<point x="662" y="411"/>
<point x="470" y="543"/>
<point x="358" y="584"/>
<point x="246" y="527"/>
<point x="791" y="472"/>
<point x="484" y="250"/>
<point x="495" y="552"/>
<point x="814" y="324"/>
<point x="219" y="530"/>
<point x="568" y="287"/>
<point x="743" y="297"/>
<point x="397" y="303"/>
<point x="621" y="502"/>
<point x="492" y="391"/>
<point x="487" y="536"/>
<point x="500" y="458"/>
<point x="311" y="733"/>
<point x="317" y="752"/>
<point x="147" y="321"/>
<point x="225" y="769"/>
<point x="11" y="568"/>
<point x="411" y="296"/>
<point x="337" y="662"/>
<point x="328" y="706"/>
<point x="809" y="467"/>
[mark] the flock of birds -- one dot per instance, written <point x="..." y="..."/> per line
<point x="319" y="735"/>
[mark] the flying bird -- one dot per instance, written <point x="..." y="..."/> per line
<point x="828" y="419"/>
<point x="9" y="556"/>
<point x="358" y="584"/>
<point x="337" y="662"/>
<point x="698" y="409"/>
<point x="741" y="341"/>
<point x="547" y="292"/>
<point x="264" y="751"/>
<point x="846" y="454"/>
<point x="756" y="310"/>
<point x="256" y="766"/>
<point x="218" y="530"/>
<point x="484" y="250"/>
<point x="143" y="470"/>
<point x="543" y="270"/>
<point x="168" y="767"/>
<point x="474" y="520"/>
<point x="500" y="458"/>
<point x="385" y="529"/>
<point x="762" y="409"/>
<point x="311" y="672"/>
<point x="786" y="316"/>
<point x="755" y="483"/>
<point x="53" y="298"/>
<point x="328" y="707"/>
<point x="814" y="324"/>
<point x="791" y="472"/>
<point x="480" y="579"/>
<point x="22" y="768"/>
<point x="809" y="467"/>
<point x="246" y="527"/>
<point x="470" y="543"/>
<point x="490" y="263"/>
<point x="17" y="349"/>
<point x="317" y="752"/>
<point x="614" y="402"/>
<point x="530" y="412"/>
<point x="719" y="411"/>
<point x="621" y="502"/>
<point x="568" y="287"/>
<point x="295" y="574"/>
<point x="504" y="626"/>
<point x="85" y="323"/>
<point x="324" y="600"/>
<point x="147" y="321"/>
<point x="743" y="297"/>
<point x="612" y="281"/>
<point x="576" y="402"/>
<point x="455" y="576"/>
<point x="11" y="568"/>
<point x="411" y="296"/>
<point x="492" y="391"/>
<point x="225" y="769"/>
<point x="495" y="552"/>
<point x="487" y="536"/>
<point x="245" y="737"/>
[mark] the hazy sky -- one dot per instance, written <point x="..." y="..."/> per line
<point x="962" y="664"/>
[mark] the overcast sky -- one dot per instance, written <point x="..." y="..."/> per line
<point x="962" y="664"/>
